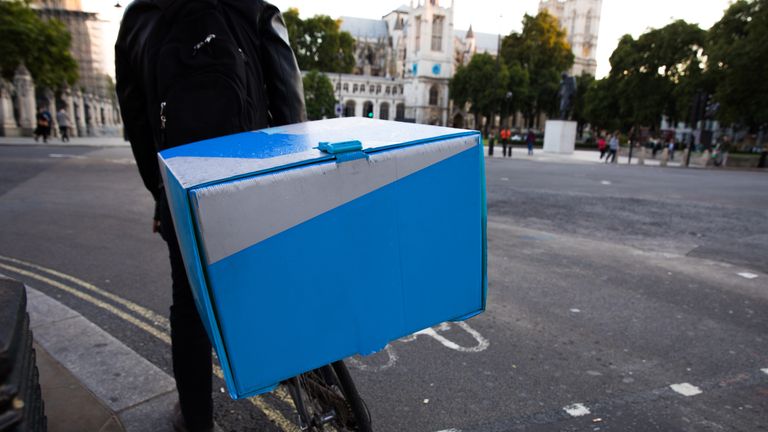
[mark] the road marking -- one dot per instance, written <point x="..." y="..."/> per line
<point x="450" y="430"/>
<point x="605" y="182"/>
<point x="142" y="311"/>
<point x="747" y="275"/>
<point x="504" y="179"/>
<point x="576" y="410"/>
<point x="90" y="299"/>
<point x="765" y="371"/>
<point x="66" y="156"/>
<point x="574" y="310"/>
<point x="686" y="389"/>
<point x="271" y="413"/>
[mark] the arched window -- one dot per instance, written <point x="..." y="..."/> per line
<point x="384" y="111"/>
<point x="349" y="109"/>
<point x="433" y="92"/>
<point x="400" y="111"/>
<point x="368" y="109"/>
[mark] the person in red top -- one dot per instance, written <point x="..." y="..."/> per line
<point x="506" y="134"/>
<point x="602" y="146"/>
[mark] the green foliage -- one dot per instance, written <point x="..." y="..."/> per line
<point x="318" y="43"/>
<point x="540" y="53"/>
<point x="651" y="76"/>
<point x="482" y="83"/>
<point x="738" y="63"/>
<point x="318" y="96"/>
<point x="43" y="46"/>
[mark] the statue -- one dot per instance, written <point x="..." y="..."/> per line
<point x="567" y="93"/>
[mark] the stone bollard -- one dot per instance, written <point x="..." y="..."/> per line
<point x="684" y="162"/>
<point x="664" y="157"/>
<point x="641" y="155"/>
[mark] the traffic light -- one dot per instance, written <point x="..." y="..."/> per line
<point x="370" y="114"/>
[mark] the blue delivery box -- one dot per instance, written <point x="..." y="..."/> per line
<point x="309" y="243"/>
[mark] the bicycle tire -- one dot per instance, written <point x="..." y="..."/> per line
<point x="323" y="397"/>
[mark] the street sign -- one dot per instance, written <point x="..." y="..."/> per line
<point x="338" y="109"/>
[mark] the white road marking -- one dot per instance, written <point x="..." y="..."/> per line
<point x="504" y="179"/>
<point x="686" y="389"/>
<point x="765" y="371"/>
<point x="605" y="182"/>
<point x="747" y="275"/>
<point x="65" y="156"/>
<point x="576" y="410"/>
<point x="450" y="430"/>
<point x="574" y="310"/>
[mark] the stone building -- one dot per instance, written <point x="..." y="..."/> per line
<point x="404" y="62"/>
<point x="581" y="21"/>
<point x="90" y="103"/>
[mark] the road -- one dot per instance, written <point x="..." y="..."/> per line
<point x="620" y="299"/>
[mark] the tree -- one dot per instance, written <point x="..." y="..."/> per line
<point x="482" y="83"/>
<point x="319" y="44"/>
<point x="737" y="55"/>
<point x="542" y="51"/>
<point x="42" y="46"/>
<point x="601" y="106"/>
<point x="651" y="76"/>
<point x="584" y="83"/>
<point x="318" y="96"/>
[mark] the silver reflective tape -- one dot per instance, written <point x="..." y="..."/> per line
<point x="239" y="214"/>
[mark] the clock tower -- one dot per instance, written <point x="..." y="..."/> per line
<point x="428" y="62"/>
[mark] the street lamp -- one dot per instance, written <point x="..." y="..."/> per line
<point x="341" y="105"/>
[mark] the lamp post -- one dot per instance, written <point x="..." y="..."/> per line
<point x="341" y="105"/>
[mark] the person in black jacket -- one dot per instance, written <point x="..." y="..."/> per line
<point x="274" y="96"/>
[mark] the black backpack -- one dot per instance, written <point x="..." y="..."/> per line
<point x="205" y="85"/>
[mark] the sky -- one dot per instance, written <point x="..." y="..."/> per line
<point x="618" y="17"/>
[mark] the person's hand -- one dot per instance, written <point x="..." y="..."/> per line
<point x="155" y="226"/>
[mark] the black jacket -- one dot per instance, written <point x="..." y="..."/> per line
<point x="141" y="33"/>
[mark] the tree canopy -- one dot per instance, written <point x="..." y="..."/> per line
<point x="319" y="44"/>
<point x="737" y="54"/>
<point x="318" y="96"/>
<point x="482" y="83"/>
<point x="43" y="46"/>
<point x="537" y="57"/>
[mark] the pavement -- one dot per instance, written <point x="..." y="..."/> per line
<point x="83" y="366"/>
<point x="104" y="141"/>
<point x="78" y="360"/>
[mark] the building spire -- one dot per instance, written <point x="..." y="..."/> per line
<point x="470" y="33"/>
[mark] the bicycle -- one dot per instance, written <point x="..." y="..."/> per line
<point x="326" y="399"/>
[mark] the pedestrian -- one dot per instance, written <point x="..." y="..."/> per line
<point x="43" y="126"/>
<point x="252" y="82"/>
<point x="491" y="143"/>
<point x="62" y="118"/>
<point x="613" y="144"/>
<point x="530" y="139"/>
<point x="671" y="148"/>
<point x="602" y="146"/>
<point x="506" y="145"/>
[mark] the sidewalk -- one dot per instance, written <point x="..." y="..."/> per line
<point x="102" y="141"/>
<point x="580" y="156"/>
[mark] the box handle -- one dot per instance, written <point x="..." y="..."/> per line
<point x="340" y="147"/>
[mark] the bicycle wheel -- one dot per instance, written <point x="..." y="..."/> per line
<point x="325" y="402"/>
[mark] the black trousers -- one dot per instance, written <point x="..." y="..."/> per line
<point x="190" y="347"/>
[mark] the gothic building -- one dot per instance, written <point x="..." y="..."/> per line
<point x="581" y="21"/>
<point x="90" y="103"/>
<point x="404" y="63"/>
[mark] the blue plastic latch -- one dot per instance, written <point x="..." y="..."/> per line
<point x="344" y="151"/>
<point x="340" y="147"/>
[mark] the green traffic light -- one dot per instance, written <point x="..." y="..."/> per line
<point x="370" y="115"/>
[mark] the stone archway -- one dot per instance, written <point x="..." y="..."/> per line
<point x="349" y="108"/>
<point x="458" y="121"/>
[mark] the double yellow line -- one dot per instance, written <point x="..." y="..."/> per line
<point x="133" y="313"/>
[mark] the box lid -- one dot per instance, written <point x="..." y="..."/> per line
<point x="276" y="148"/>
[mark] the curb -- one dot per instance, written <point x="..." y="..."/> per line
<point x="134" y="390"/>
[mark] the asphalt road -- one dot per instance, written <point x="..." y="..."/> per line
<point x="609" y="288"/>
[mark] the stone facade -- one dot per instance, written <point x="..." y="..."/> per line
<point x="581" y="21"/>
<point x="91" y="103"/>
<point x="404" y="64"/>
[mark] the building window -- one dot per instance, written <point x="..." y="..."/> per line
<point x="345" y="87"/>
<point x="384" y="111"/>
<point x="368" y="109"/>
<point x="400" y="111"/>
<point x="433" y="92"/>
<point x="437" y="33"/>
<point x="370" y="89"/>
<point x="418" y="33"/>
<point x="378" y="88"/>
<point x="338" y="86"/>
<point x="349" y="109"/>
<point x="588" y="25"/>
<point x="387" y="90"/>
<point x="354" y="88"/>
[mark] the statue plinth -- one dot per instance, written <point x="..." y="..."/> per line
<point x="560" y="136"/>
